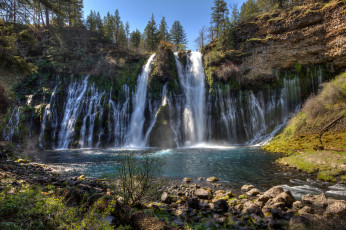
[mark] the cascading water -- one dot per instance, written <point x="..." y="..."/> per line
<point x="92" y="117"/>
<point x="72" y="109"/>
<point x="93" y="107"/>
<point x="135" y="137"/>
<point x="12" y="128"/>
<point x="46" y="114"/>
<point x="251" y="117"/>
<point x="192" y="80"/>
<point x="119" y="117"/>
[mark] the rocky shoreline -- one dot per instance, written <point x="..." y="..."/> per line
<point x="205" y="202"/>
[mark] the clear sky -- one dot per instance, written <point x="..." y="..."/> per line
<point x="192" y="14"/>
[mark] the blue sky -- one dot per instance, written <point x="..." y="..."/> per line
<point x="192" y="14"/>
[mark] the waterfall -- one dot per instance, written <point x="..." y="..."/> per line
<point x="72" y="110"/>
<point x="12" y="127"/>
<point x="93" y="108"/>
<point x="192" y="80"/>
<point x="119" y="117"/>
<point x="46" y="113"/>
<point x="135" y="136"/>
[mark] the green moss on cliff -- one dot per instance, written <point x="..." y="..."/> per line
<point x="164" y="72"/>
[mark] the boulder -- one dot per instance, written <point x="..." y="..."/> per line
<point x="220" y="206"/>
<point x="285" y="197"/>
<point x="212" y="179"/>
<point x="297" y="205"/>
<point x="247" y="187"/>
<point x="273" y="192"/>
<point x="336" y="208"/>
<point x="306" y="210"/>
<point x="253" y="192"/>
<point x="202" y="193"/>
<point x="166" y="198"/>
<point x="193" y="203"/>
<point x="251" y="208"/>
<point x="319" y="201"/>
<point x="187" y="180"/>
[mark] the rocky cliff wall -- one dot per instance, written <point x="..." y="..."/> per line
<point x="306" y="35"/>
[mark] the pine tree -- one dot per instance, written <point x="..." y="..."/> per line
<point x="248" y="10"/>
<point x="99" y="23"/>
<point x="150" y="36"/>
<point x="135" y="39"/>
<point x="75" y="13"/>
<point x="219" y="12"/>
<point x="163" y="30"/>
<point x="91" y="21"/>
<point x="127" y="33"/>
<point x="117" y="26"/>
<point x="227" y="35"/>
<point x="122" y="40"/>
<point x="108" y="25"/>
<point x="178" y="35"/>
<point x="234" y="14"/>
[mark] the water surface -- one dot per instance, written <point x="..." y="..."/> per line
<point x="235" y="166"/>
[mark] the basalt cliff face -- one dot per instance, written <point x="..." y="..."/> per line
<point x="311" y="34"/>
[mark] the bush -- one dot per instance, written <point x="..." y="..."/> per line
<point x="226" y="70"/>
<point x="333" y="95"/>
<point x="137" y="177"/>
<point x="213" y="57"/>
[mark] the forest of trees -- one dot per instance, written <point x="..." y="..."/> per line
<point x="63" y="13"/>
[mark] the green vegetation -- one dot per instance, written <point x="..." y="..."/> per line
<point x="319" y="125"/>
<point x="31" y="207"/>
<point x="261" y="40"/>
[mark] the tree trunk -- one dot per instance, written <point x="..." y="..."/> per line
<point x="47" y="17"/>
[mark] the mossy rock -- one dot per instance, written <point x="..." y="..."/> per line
<point x="162" y="135"/>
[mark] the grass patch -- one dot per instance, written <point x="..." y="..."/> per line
<point x="328" y="165"/>
<point x="262" y="40"/>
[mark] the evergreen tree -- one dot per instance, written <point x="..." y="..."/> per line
<point x="122" y="39"/>
<point x="234" y="14"/>
<point x="163" y="30"/>
<point x="75" y="13"/>
<point x="227" y="37"/>
<point x="178" y="35"/>
<point x="248" y="10"/>
<point x="219" y="12"/>
<point x="108" y="25"/>
<point x="265" y="5"/>
<point x="127" y="33"/>
<point x="150" y="36"/>
<point x="135" y="39"/>
<point x="91" y="21"/>
<point x="99" y="23"/>
<point x="117" y="26"/>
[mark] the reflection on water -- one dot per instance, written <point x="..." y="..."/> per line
<point x="235" y="166"/>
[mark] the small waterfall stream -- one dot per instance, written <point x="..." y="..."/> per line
<point x="12" y="128"/>
<point x="47" y="113"/>
<point x="135" y="136"/>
